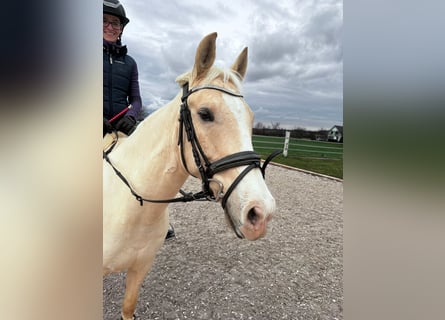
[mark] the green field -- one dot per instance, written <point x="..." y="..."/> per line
<point x="317" y="156"/>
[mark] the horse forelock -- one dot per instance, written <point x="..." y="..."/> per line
<point x="226" y="75"/>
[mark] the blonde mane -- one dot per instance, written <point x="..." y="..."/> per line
<point x="226" y="75"/>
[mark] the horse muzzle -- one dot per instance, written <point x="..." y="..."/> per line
<point x="252" y="221"/>
<point x="255" y="223"/>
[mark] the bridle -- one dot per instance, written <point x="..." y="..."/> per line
<point x="206" y="168"/>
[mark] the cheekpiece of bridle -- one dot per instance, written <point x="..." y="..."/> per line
<point x="206" y="168"/>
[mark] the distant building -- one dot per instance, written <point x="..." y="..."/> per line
<point x="336" y="134"/>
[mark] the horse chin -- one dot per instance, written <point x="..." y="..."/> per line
<point x="233" y="222"/>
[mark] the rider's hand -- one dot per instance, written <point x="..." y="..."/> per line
<point x="126" y="125"/>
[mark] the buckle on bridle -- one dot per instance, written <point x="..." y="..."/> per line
<point x="219" y="194"/>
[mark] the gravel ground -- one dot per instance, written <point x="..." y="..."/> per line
<point x="295" y="272"/>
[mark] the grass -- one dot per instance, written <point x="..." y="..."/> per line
<point x="316" y="156"/>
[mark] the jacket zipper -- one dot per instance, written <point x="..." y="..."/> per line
<point x="110" y="86"/>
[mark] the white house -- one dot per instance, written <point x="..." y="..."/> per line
<point x="336" y="134"/>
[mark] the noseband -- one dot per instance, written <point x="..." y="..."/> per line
<point x="206" y="168"/>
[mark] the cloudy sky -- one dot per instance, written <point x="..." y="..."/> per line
<point x="295" y="70"/>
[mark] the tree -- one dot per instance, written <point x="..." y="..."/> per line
<point x="275" y="125"/>
<point x="259" y="125"/>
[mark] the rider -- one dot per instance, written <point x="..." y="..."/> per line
<point x="120" y="73"/>
<point x="120" y="76"/>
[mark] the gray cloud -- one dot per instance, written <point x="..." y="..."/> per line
<point x="295" y="53"/>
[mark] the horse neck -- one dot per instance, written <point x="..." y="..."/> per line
<point x="151" y="156"/>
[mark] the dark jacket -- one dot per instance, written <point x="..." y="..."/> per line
<point x="120" y="82"/>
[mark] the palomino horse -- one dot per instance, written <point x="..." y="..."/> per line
<point x="212" y="141"/>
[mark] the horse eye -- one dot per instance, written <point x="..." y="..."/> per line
<point x="206" y="114"/>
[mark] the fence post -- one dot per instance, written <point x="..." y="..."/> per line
<point x="286" y="143"/>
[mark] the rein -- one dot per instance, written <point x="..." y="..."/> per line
<point x="206" y="169"/>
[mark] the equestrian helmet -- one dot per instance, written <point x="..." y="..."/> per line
<point x="115" y="8"/>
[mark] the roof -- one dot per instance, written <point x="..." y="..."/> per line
<point x="339" y="128"/>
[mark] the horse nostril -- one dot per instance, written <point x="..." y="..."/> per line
<point x="252" y="216"/>
<point x="255" y="223"/>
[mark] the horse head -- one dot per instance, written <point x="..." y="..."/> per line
<point x="219" y="130"/>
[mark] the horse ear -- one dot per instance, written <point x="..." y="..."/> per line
<point x="240" y="65"/>
<point x="205" y="55"/>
